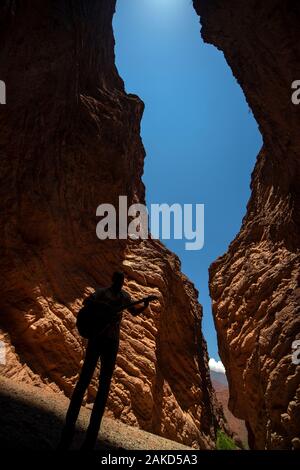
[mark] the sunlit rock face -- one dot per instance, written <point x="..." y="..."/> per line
<point x="69" y="141"/>
<point x="255" y="285"/>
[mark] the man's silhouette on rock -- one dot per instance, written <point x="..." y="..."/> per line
<point x="104" y="347"/>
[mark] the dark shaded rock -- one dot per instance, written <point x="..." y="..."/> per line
<point x="69" y="141"/>
<point x="255" y="285"/>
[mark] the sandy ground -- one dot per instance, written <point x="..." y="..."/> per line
<point x="31" y="419"/>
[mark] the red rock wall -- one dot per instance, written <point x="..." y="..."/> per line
<point x="255" y="285"/>
<point x="69" y="141"/>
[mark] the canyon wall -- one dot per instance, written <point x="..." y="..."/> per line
<point x="69" y="141"/>
<point x="255" y="285"/>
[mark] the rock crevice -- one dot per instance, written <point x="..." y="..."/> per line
<point x="255" y="285"/>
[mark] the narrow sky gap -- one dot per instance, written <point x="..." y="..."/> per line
<point x="200" y="137"/>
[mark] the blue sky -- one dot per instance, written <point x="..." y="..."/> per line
<point x="200" y="137"/>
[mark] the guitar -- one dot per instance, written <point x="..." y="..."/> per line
<point x="96" y="316"/>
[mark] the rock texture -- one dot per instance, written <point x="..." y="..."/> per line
<point x="255" y="285"/>
<point x="69" y="141"/>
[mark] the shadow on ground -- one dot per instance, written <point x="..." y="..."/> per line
<point x="25" y="426"/>
<point x="32" y="419"/>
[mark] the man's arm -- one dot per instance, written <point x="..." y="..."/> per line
<point x="135" y="311"/>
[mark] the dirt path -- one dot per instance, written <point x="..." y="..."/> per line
<point x="31" y="419"/>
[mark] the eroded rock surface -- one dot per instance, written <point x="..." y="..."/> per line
<point x="69" y="141"/>
<point x="255" y="285"/>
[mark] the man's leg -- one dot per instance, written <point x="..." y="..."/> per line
<point x="87" y="371"/>
<point x="108" y="360"/>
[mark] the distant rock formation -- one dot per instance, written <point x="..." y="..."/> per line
<point x="69" y="141"/>
<point x="236" y="426"/>
<point x="255" y="285"/>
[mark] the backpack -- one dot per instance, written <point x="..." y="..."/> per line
<point x="93" y="318"/>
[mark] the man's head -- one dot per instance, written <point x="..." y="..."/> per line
<point x="117" y="281"/>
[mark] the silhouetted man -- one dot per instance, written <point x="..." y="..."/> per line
<point x="104" y="346"/>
